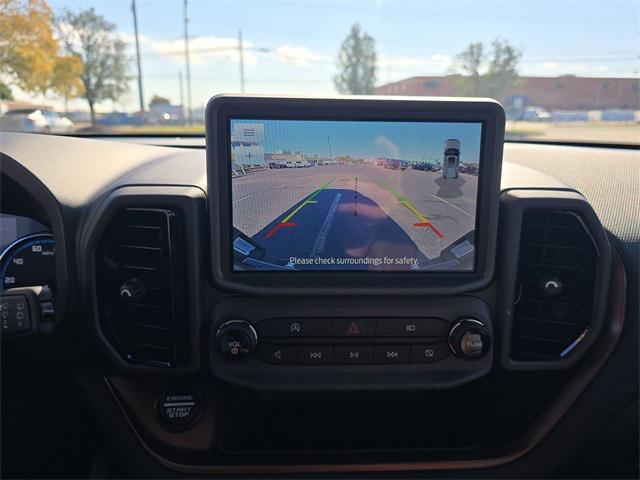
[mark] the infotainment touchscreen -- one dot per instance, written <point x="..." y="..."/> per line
<point x="344" y="195"/>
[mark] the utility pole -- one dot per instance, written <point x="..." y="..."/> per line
<point x="330" y="152"/>
<point x="186" y="58"/>
<point x="241" y="53"/>
<point x="135" y="29"/>
<point x="181" y="96"/>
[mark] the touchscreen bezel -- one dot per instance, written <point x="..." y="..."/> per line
<point x="223" y="108"/>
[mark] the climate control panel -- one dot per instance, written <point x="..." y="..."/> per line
<point x="348" y="343"/>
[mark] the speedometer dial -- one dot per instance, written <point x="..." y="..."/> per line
<point x="29" y="261"/>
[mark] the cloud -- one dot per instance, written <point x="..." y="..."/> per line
<point x="201" y="49"/>
<point x="299" y="55"/>
<point x="204" y="49"/>
<point x="564" y="67"/>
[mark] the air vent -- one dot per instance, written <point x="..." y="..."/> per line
<point x="139" y="287"/>
<point x="554" y="305"/>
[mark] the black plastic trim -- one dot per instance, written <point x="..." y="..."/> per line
<point x="254" y="373"/>
<point x="27" y="180"/>
<point x="190" y="201"/>
<point x="221" y="108"/>
<point x="514" y="204"/>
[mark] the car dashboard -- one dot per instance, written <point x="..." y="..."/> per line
<point x="106" y="247"/>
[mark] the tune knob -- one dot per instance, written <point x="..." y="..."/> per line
<point x="469" y="339"/>
<point x="236" y="339"/>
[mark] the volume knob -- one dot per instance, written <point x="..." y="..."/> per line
<point x="236" y="339"/>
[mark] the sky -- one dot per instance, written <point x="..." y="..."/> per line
<point x="290" y="46"/>
<point x="412" y="141"/>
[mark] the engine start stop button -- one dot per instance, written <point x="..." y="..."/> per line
<point x="179" y="405"/>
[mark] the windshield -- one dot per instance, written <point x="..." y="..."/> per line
<point x="564" y="70"/>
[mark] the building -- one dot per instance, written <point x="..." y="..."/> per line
<point x="567" y="92"/>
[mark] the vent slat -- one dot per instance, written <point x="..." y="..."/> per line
<point x="555" y="246"/>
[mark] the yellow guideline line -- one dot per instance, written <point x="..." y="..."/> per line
<point x="404" y="201"/>
<point x="407" y="204"/>
<point x="424" y="221"/>
<point x="308" y="200"/>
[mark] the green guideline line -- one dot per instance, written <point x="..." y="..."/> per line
<point x="308" y="200"/>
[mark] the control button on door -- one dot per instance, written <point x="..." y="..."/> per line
<point x="353" y="354"/>
<point x="392" y="354"/>
<point x="353" y="327"/>
<point x="277" y="354"/>
<point x="412" y="327"/>
<point x="429" y="353"/>
<point x="318" y="355"/>
<point x="294" y="327"/>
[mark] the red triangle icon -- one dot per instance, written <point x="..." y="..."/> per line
<point x="353" y="329"/>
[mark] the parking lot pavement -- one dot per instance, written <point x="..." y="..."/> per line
<point x="354" y="211"/>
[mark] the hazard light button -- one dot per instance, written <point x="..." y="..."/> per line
<point x="353" y="327"/>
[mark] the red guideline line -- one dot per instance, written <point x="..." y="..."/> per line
<point x="431" y="226"/>
<point x="279" y="226"/>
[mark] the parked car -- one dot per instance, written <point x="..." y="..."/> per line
<point x="395" y="164"/>
<point x="35" y="121"/>
<point x="472" y="168"/>
<point x="113" y="119"/>
<point x="451" y="158"/>
<point x="536" y="114"/>
<point x="423" y="166"/>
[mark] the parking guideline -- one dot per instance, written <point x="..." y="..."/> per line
<point x="309" y="200"/>
<point x="424" y="221"/>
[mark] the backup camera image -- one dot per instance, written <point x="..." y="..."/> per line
<point x="317" y="195"/>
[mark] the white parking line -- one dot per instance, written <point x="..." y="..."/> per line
<point x="318" y="246"/>
<point x="244" y="198"/>
<point x="454" y="206"/>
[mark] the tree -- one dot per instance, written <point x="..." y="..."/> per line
<point x="88" y="36"/>
<point x="5" y="92"/>
<point x="469" y="63"/>
<point x="29" y="52"/>
<point x="27" y="46"/>
<point x="503" y="69"/>
<point x="357" y="63"/>
<point x="473" y="76"/>
<point x="66" y="80"/>
<point x="158" y="100"/>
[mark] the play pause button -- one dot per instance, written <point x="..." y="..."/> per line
<point x="354" y="354"/>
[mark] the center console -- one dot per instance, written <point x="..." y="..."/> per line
<point x="354" y="232"/>
<point x="351" y="343"/>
